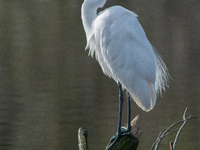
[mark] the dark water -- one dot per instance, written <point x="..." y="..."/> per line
<point x="49" y="87"/>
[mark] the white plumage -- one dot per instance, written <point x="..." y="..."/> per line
<point x="123" y="51"/>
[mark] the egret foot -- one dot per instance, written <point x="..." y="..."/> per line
<point x="125" y="141"/>
<point x="113" y="140"/>
<point x="124" y="132"/>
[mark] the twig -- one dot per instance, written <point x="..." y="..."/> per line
<point x="185" y="120"/>
<point x="167" y="131"/>
<point x="171" y="145"/>
<point x="160" y="137"/>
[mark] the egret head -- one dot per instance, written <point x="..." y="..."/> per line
<point x="95" y="3"/>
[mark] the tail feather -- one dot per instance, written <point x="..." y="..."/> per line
<point x="162" y="74"/>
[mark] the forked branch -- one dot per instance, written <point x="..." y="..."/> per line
<point x="168" y="131"/>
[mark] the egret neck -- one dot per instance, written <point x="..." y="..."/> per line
<point x="89" y="14"/>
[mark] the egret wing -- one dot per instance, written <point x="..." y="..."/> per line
<point x="127" y="54"/>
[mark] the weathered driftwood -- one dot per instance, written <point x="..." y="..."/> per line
<point x="127" y="142"/>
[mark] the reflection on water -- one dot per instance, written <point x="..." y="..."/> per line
<point x="49" y="87"/>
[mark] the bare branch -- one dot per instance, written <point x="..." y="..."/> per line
<point x="167" y="131"/>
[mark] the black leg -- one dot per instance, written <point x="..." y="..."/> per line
<point x="116" y="136"/>
<point x="128" y="129"/>
<point x="121" y="99"/>
<point x="129" y="112"/>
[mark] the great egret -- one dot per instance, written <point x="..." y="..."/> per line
<point x="124" y="53"/>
